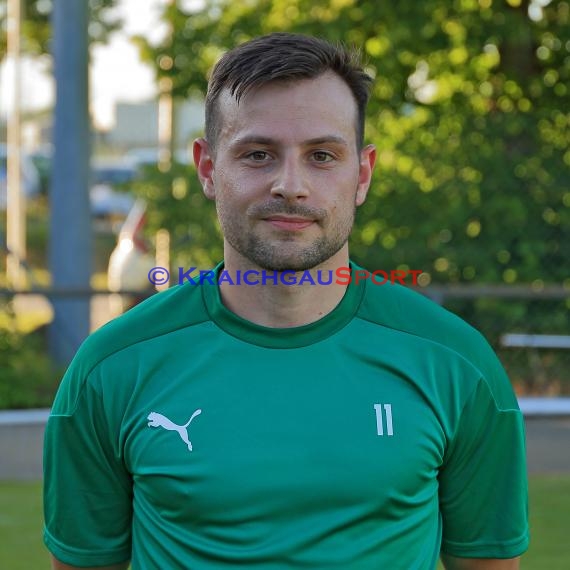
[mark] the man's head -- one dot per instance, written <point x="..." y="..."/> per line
<point x="286" y="169"/>
<point x="283" y="57"/>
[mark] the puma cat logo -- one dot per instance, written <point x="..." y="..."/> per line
<point x="158" y="420"/>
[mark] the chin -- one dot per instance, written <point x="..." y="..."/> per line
<point x="287" y="255"/>
<point x="297" y="262"/>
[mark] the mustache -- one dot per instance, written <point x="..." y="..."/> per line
<point x="276" y="209"/>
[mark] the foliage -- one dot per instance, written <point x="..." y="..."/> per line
<point x="179" y="206"/>
<point x="28" y="378"/>
<point x="532" y="371"/>
<point x="36" y="25"/>
<point x="469" y="114"/>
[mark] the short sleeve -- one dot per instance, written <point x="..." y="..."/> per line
<point x="87" y="490"/>
<point x="483" y="482"/>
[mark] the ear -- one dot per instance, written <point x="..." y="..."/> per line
<point x="204" y="162"/>
<point x="366" y="166"/>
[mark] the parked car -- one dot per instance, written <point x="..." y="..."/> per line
<point x="130" y="262"/>
<point x="30" y="177"/>
<point x="146" y="156"/>
<point x="109" y="193"/>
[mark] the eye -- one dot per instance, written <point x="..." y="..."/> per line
<point x="258" y="156"/>
<point x="322" y="156"/>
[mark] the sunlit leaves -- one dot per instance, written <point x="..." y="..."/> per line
<point x="469" y="113"/>
<point x="36" y="26"/>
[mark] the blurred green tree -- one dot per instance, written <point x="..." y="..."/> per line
<point x="469" y="113"/>
<point x="176" y="203"/>
<point x="36" y="25"/>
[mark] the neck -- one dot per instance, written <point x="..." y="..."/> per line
<point x="280" y="305"/>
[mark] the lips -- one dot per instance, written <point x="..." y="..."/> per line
<point x="286" y="223"/>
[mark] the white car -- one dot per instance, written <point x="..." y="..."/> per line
<point x="150" y="155"/>
<point x="130" y="262"/>
<point x="105" y="199"/>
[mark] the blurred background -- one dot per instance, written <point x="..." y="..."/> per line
<point x="100" y="101"/>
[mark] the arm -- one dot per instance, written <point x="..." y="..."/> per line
<point x="57" y="565"/>
<point x="483" y="486"/>
<point x="87" y="489"/>
<point x="453" y="563"/>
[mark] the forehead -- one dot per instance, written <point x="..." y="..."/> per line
<point x="291" y="111"/>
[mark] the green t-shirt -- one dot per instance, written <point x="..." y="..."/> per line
<point x="185" y="437"/>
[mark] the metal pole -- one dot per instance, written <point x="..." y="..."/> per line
<point x="15" y="206"/>
<point x="166" y="110"/>
<point x="70" y="238"/>
<point x="165" y="124"/>
<point x="162" y="256"/>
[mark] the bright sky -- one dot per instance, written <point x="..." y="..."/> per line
<point x="116" y="72"/>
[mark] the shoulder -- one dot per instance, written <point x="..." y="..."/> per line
<point x="405" y="310"/>
<point x="164" y="313"/>
<point x="159" y="315"/>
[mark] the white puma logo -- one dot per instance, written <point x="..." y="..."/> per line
<point x="158" y="420"/>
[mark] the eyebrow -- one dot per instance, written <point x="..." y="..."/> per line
<point x="256" y="139"/>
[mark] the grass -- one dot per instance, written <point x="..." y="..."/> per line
<point x="22" y="548"/>
<point x="21" y="521"/>
<point x="549" y="524"/>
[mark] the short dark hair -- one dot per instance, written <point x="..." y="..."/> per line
<point x="284" y="57"/>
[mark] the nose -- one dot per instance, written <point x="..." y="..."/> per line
<point x="290" y="182"/>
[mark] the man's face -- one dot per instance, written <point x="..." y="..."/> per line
<point x="287" y="176"/>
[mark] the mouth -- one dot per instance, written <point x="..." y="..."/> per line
<point x="289" y="223"/>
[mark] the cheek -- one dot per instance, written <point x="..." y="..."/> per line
<point x="233" y="184"/>
<point x="341" y="211"/>
<point x="225" y="186"/>
<point x="347" y="195"/>
<point x="230" y="198"/>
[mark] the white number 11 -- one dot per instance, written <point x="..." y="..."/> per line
<point x="380" y="419"/>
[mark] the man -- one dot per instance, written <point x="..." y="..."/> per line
<point x="285" y="426"/>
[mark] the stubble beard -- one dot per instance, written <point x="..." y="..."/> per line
<point x="286" y="253"/>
